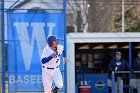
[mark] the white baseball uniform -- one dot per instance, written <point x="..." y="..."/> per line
<point x="50" y="70"/>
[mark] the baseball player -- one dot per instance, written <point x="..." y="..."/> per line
<point x="50" y="65"/>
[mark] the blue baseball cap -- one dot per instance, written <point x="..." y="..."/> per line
<point x="51" y="39"/>
<point x="118" y="53"/>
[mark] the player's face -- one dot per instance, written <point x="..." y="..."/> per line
<point x="118" y="57"/>
<point x="55" y="43"/>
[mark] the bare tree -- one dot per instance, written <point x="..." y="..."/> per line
<point x="92" y="15"/>
<point x="79" y="10"/>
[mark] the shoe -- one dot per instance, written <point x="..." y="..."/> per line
<point x="54" y="91"/>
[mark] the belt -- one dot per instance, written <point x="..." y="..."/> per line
<point x="49" y="67"/>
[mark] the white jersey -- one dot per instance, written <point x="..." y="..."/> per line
<point x="54" y="62"/>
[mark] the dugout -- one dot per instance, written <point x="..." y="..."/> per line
<point x="90" y="53"/>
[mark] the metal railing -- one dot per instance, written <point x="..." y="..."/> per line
<point x="120" y="72"/>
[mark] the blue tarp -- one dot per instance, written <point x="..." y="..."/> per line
<point x="27" y="34"/>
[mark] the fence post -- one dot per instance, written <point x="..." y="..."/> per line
<point x="65" y="43"/>
<point x="3" y="47"/>
<point x="130" y="61"/>
<point x="113" y="82"/>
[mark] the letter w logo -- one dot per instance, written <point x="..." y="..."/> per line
<point x="27" y="44"/>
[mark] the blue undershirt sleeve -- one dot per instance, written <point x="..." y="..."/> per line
<point x="46" y="59"/>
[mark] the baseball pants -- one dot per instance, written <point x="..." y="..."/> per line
<point x="49" y="75"/>
<point x="119" y="85"/>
